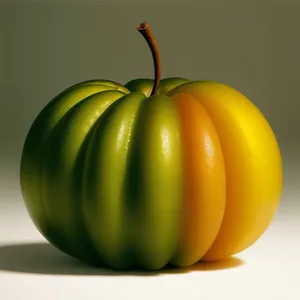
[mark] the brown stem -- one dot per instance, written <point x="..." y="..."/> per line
<point x="146" y="32"/>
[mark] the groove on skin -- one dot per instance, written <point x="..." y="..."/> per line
<point x="204" y="181"/>
<point x="155" y="190"/>
<point x="105" y="168"/>
<point x="252" y="164"/>
<point x="35" y="148"/>
<point x="62" y="172"/>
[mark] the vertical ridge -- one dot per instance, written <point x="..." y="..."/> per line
<point x="61" y="175"/>
<point x="154" y="185"/>
<point x="104" y="176"/>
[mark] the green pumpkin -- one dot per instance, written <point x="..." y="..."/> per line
<point x="139" y="176"/>
<point x="95" y="174"/>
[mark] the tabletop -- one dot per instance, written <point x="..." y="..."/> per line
<point x="31" y="268"/>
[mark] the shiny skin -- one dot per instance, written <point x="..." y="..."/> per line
<point x="131" y="199"/>
<point x="252" y="162"/>
<point x="203" y="170"/>
<point x="33" y="174"/>
<point x="111" y="175"/>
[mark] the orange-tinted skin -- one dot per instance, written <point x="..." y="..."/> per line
<point x="198" y="177"/>
<point x="252" y="163"/>
<point x="204" y="181"/>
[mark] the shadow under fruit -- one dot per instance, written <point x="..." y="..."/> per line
<point x="152" y="173"/>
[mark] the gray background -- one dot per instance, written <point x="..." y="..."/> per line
<point x="48" y="47"/>
<point x="44" y="48"/>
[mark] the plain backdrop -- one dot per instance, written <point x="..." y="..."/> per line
<point x="46" y="47"/>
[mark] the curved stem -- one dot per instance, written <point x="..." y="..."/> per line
<point x="146" y="32"/>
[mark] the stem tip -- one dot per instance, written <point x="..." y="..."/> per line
<point x="146" y="32"/>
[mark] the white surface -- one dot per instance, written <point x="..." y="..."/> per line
<point x="270" y="270"/>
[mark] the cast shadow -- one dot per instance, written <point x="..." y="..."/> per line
<point x="43" y="258"/>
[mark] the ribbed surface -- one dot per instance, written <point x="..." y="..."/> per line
<point x="114" y="177"/>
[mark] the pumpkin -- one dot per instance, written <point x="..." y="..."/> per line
<point x="150" y="173"/>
